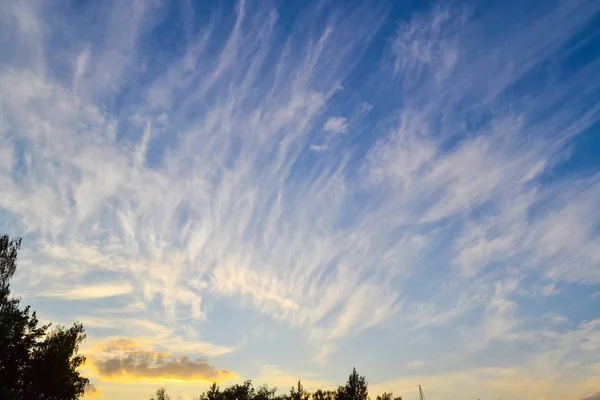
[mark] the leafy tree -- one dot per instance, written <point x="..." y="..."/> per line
<point x="264" y="392"/>
<point x="388" y="396"/>
<point x="323" y="394"/>
<point x="355" y="389"/>
<point x="161" y="394"/>
<point x="35" y="363"/>
<point x="213" y="393"/>
<point x="244" y="391"/>
<point x="298" y="393"/>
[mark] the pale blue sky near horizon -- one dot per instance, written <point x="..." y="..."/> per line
<point x="287" y="189"/>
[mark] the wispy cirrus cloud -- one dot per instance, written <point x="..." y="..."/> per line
<point x="90" y="292"/>
<point x="222" y="225"/>
<point x="180" y="166"/>
<point x="336" y="125"/>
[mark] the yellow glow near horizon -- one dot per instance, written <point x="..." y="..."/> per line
<point x="126" y="360"/>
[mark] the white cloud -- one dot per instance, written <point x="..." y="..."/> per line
<point x="559" y="319"/>
<point x="199" y="188"/>
<point x="336" y="125"/>
<point x="90" y="292"/>
<point x="428" y="44"/>
<point x="80" y="66"/>
<point x="95" y="204"/>
<point x="417" y="364"/>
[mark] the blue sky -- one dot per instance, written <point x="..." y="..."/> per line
<point x="281" y="190"/>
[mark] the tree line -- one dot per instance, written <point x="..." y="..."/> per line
<point x="356" y="388"/>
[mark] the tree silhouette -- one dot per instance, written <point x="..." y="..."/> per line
<point x="35" y="363"/>
<point x="298" y="393"/>
<point x="214" y="393"/>
<point x="264" y="392"/>
<point x="355" y="389"/>
<point x="388" y="396"/>
<point x="161" y="394"/>
<point x="241" y="392"/>
<point x="245" y="391"/>
<point x="324" y="394"/>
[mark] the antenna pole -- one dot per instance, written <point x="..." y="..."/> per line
<point x="421" y="395"/>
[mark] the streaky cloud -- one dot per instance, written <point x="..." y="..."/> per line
<point x="90" y="292"/>
<point x="350" y="175"/>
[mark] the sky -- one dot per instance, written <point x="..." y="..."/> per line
<point x="282" y="190"/>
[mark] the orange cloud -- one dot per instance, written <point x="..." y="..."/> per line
<point x="92" y="392"/>
<point x="126" y="359"/>
<point x="592" y="396"/>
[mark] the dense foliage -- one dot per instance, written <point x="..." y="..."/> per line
<point x="35" y="362"/>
